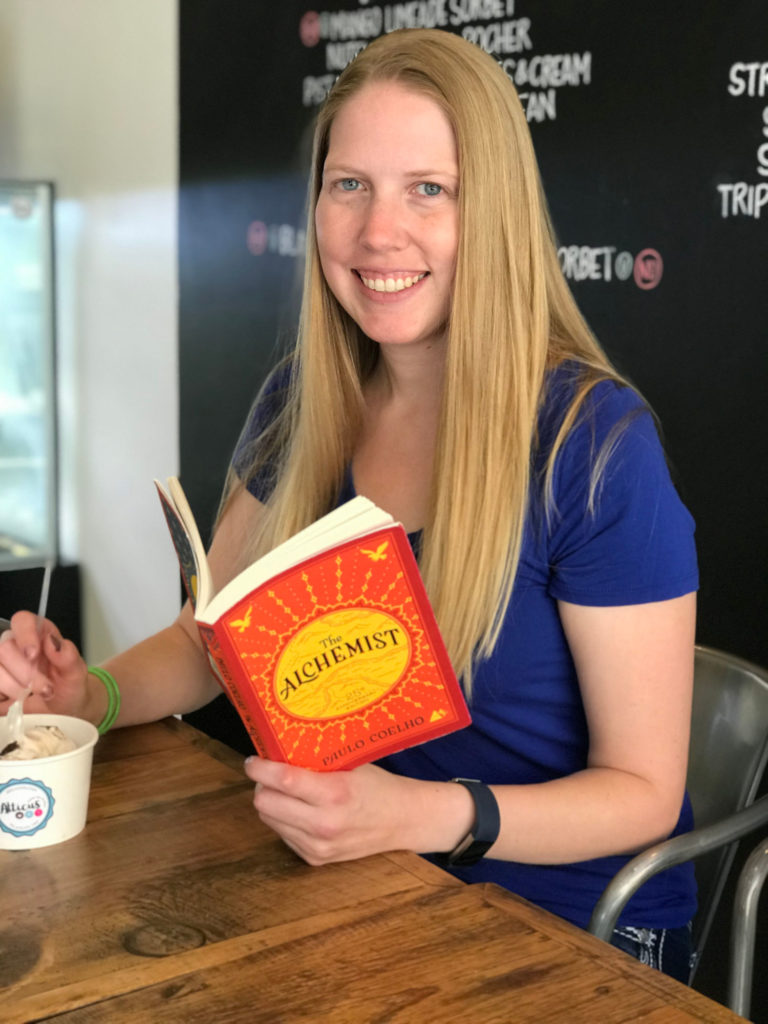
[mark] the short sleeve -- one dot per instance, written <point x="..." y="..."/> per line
<point x="635" y="543"/>
<point x="264" y="413"/>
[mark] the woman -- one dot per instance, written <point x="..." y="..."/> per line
<point x="443" y="370"/>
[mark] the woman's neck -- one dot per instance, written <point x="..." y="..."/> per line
<point x="405" y="374"/>
<point x="394" y="452"/>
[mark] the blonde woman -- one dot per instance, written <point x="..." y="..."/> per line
<point x="443" y="370"/>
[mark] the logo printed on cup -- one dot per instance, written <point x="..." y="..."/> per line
<point x="26" y="807"/>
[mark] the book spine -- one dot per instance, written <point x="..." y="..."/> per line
<point x="220" y="668"/>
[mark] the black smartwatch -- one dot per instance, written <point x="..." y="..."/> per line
<point x="484" y="832"/>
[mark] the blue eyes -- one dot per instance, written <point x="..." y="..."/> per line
<point x="426" y="188"/>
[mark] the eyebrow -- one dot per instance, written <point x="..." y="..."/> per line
<point x="348" y="169"/>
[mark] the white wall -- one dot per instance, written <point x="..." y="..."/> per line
<point x="88" y="100"/>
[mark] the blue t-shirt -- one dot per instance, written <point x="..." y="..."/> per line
<point x="528" y="723"/>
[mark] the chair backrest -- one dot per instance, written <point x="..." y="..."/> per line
<point x="728" y="754"/>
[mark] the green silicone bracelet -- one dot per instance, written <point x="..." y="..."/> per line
<point x="113" y="697"/>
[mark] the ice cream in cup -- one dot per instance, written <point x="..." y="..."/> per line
<point x="45" y="781"/>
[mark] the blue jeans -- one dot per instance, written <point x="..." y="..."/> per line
<point x="669" y="950"/>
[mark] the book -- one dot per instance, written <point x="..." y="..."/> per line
<point x="327" y="646"/>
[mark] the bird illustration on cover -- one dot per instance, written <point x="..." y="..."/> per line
<point x="379" y="554"/>
<point x="242" y="624"/>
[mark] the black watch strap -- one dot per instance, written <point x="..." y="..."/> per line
<point x="484" y="832"/>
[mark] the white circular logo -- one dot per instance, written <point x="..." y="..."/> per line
<point x="26" y="806"/>
<point x="624" y="265"/>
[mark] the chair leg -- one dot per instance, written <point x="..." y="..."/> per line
<point x="743" y="929"/>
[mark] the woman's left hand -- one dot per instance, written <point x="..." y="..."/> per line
<point x="327" y="817"/>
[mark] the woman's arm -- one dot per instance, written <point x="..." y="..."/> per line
<point x="165" y="674"/>
<point x="635" y="667"/>
<point x="168" y="673"/>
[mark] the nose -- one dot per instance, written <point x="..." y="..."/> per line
<point x="383" y="226"/>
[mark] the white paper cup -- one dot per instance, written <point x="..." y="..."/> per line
<point x="45" y="800"/>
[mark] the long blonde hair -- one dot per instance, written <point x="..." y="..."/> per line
<point x="512" y="319"/>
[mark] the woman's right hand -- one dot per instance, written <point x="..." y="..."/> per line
<point x="34" y="657"/>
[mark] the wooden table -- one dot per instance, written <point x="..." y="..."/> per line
<point x="176" y="904"/>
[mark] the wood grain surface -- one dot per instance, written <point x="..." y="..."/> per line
<point x="176" y="904"/>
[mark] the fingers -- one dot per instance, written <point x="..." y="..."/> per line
<point x="25" y="628"/>
<point x="283" y="792"/>
<point x="314" y="813"/>
<point x="14" y="686"/>
<point x="317" y="835"/>
<point x="300" y="783"/>
<point x="313" y="851"/>
<point x="17" y="671"/>
<point x="33" y="705"/>
<point x="271" y="773"/>
<point x="28" y="653"/>
<point x="62" y="655"/>
<point x="291" y="797"/>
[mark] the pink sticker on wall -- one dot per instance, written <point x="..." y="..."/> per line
<point x="649" y="267"/>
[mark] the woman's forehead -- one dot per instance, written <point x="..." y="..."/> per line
<point x="387" y="114"/>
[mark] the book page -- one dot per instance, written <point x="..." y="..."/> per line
<point x="189" y="547"/>
<point x="355" y="518"/>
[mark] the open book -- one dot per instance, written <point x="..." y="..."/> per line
<point x="327" y="646"/>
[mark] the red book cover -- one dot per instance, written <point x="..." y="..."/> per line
<point x="337" y="660"/>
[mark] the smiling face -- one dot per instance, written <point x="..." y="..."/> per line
<point x="387" y="218"/>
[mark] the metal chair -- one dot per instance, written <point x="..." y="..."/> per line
<point x="727" y="758"/>
<point x="744" y="927"/>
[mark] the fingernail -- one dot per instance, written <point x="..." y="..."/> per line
<point x="47" y="692"/>
<point x="56" y="641"/>
<point x="30" y="652"/>
<point x="249" y="759"/>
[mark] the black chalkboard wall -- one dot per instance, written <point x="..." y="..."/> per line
<point x="651" y="126"/>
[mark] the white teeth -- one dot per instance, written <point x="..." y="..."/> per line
<point x="390" y="284"/>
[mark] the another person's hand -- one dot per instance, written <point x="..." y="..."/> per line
<point x="35" y="658"/>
